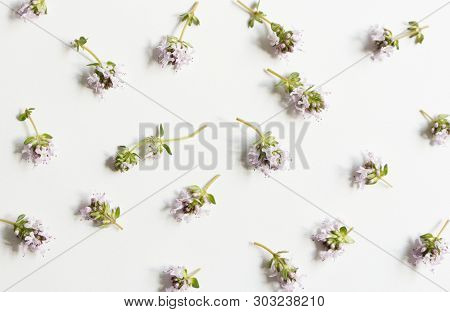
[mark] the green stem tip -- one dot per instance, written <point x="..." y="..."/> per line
<point x="443" y="228"/>
<point x="265" y="248"/>
<point x="386" y="182"/>
<point x="8" y="222"/>
<point x="270" y="71"/>
<point x="194" y="272"/>
<point x="210" y="182"/>
<point x="424" y="114"/>
<point x="251" y="126"/>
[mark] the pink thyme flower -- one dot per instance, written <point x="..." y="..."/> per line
<point x="38" y="149"/>
<point x="180" y="279"/>
<point x="193" y="201"/>
<point x="370" y="172"/>
<point x="332" y="236"/>
<point x="429" y="249"/>
<point x="287" y="275"/>
<point x="31" y="232"/>
<point x="174" y="53"/>
<point x="32" y="9"/>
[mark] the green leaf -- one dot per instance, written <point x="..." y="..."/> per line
<point x="161" y="131"/>
<point x="195" y="188"/>
<point x="167" y="148"/>
<point x="385" y="170"/>
<point x="427" y="236"/>
<point x="195" y="283"/>
<point x="196" y="21"/>
<point x="211" y="199"/>
<point x="349" y="240"/>
<point x="117" y="213"/>
<point x="82" y="41"/>
<point x="19" y="218"/>
<point x="29" y="140"/>
<point x="93" y="64"/>
<point x="47" y="136"/>
<point x="343" y="230"/>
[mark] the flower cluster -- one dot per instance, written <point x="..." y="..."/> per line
<point x="103" y="76"/>
<point x="332" y="236"/>
<point x="439" y="128"/>
<point x="32" y="8"/>
<point x="265" y="154"/>
<point x="287" y="274"/>
<point x="371" y="172"/>
<point x="174" y="51"/>
<point x="154" y="146"/>
<point x="192" y="200"/>
<point x="283" y="41"/>
<point x="385" y="43"/>
<point x="100" y="211"/>
<point x="429" y="249"/>
<point x="31" y="233"/>
<point x="181" y="280"/>
<point x="303" y="98"/>
<point x="38" y="149"/>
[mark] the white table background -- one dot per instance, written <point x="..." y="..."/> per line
<point x="373" y="106"/>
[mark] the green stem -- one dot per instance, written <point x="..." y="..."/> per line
<point x="211" y="182"/>
<point x="252" y="12"/>
<point x="276" y="74"/>
<point x="34" y="126"/>
<point x="386" y="182"/>
<point x="251" y="126"/>
<point x="139" y="144"/>
<point x="424" y="114"/>
<point x="194" y="272"/>
<point x="186" y="137"/>
<point x="8" y="222"/>
<point x="93" y="55"/>
<point x="192" y="10"/>
<point x="442" y="229"/>
<point x="113" y="222"/>
<point x="265" y="248"/>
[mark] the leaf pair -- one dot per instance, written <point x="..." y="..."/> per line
<point x="79" y="43"/>
<point x="257" y="15"/>
<point x="41" y="140"/>
<point x="25" y="115"/>
<point x="416" y="32"/>
<point x="164" y="145"/>
<point x="190" y="18"/>
<point x="190" y="280"/>
<point x="290" y="82"/>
